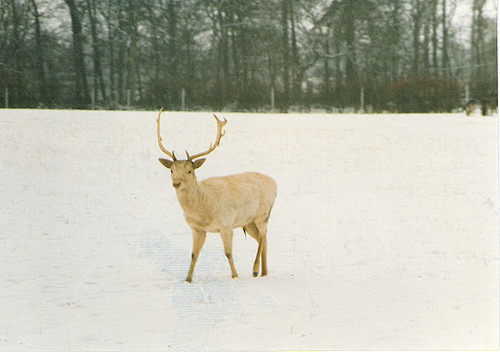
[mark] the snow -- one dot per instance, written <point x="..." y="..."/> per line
<point x="383" y="234"/>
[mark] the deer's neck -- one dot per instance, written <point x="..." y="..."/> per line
<point x="189" y="198"/>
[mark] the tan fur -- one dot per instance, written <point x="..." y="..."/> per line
<point x="220" y="204"/>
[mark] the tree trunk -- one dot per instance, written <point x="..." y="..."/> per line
<point x="224" y="57"/>
<point x="417" y="24"/>
<point x="351" y="79"/>
<point x="434" y="23"/>
<point x="98" y="76"/>
<point x="445" y="58"/>
<point x="111" y="55"/>
<point x="244" y="44"/>
<point x="81" y="85"/>
<point x="286" y="54"/>
<point x="173" y="55"/>
<point x="296" y="75"/>
<point x="153" y="24"/>
<point x="122" y="51"/>
<point x="236" y="50"/>
<point x="395" y="39"/>
<point x="132" y="77"/>
<point x="351" y="50"/>
<point x="478" y="79"/>
<point x="40" y="70"/>
<point x="272" y="75"/>
<point x="190" y="62"/>
<point x="327" y="72"/>
<point x="427" y="33"/>
<point x="14" y="50"/>
<point x="337" y="61"/>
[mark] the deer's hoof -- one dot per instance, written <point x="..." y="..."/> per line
<point x="255" y="273"/>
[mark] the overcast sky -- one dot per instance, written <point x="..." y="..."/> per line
<point x="463" y="16"/>
<point x="461" y="19"/>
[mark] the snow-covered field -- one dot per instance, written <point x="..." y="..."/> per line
<point x="383" y="234"/>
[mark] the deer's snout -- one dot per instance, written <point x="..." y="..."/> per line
<point x="176" y="184"/>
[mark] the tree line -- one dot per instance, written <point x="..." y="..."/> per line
<point x="401" y="55"/>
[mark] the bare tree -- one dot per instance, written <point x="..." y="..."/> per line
<point x="232" y="53"/>
<point x="82" y="95"/>
<point x="99" y="85"/>
<point x="285" y="14"/>
<point x="417" y="16"/>
<point x="40" y="56"/>
<point x="445" y="51"/>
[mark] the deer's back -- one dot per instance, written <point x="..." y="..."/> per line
<point x="249" y="194"/>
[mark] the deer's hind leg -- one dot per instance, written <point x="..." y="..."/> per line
<point x="262" y="251"/>
<point x="252" y="230"/>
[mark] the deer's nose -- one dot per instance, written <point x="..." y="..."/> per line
<point x="176" y="184"/>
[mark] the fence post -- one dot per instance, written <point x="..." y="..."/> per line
<point x="128" y="99"/>
<point x="183" y="99"/>
<point x="272" y="99"/>
<point x="6" y="97"/>
<point x="467" y="93"/>
<point x="93" y="98"/>
<point x="362" y="98"/>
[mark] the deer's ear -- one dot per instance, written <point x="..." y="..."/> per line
<point x="198" y="163"/>
<point x="165" y="162"/>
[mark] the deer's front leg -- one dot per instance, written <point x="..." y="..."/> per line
<point x="198" y="241"/>
<point x="227" y="241"/>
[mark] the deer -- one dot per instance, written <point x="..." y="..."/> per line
<point x="221" y="204"/>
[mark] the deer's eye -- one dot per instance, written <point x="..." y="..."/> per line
<point x="189" y="171"/>
<point x="171" y="172"/>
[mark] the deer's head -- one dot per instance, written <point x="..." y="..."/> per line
<point x="183" y="171"/>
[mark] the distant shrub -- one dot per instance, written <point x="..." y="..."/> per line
<point x="425" y="94"/>
<point x="20" y="92"/>
<point x="157" y="92"/>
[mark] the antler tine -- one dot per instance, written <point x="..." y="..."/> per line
<point x="212" y="147"/>
<point x="170" y="154"/>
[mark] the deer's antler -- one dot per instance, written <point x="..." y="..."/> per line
<point x="220" y="124"/>
<point x="171" y="155"/>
